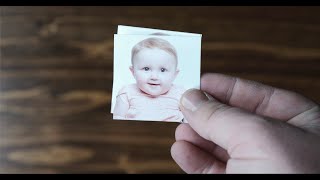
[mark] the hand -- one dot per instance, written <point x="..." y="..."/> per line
<point x="240" y="126"/>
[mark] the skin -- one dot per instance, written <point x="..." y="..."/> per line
<point x="241" y="126"/>
<point x="154" y="71"/>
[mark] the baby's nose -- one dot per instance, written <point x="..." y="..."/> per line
<point x="154" y="75"/>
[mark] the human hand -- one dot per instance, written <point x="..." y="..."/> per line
<point x="242" y="126"/>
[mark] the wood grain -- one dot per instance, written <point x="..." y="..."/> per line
<point x="56" y="79"/>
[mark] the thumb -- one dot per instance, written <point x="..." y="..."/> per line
<point x="222" y="124"/>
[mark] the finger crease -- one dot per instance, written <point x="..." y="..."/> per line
<point x="262" y="105"/>
<point x="230" y="90"/>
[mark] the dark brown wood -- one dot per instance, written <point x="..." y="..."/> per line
<point x="56" y="79"/>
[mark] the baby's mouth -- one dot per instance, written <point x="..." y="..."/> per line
<point x="154" y="84"/>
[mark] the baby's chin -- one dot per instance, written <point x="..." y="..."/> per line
<point x="155" y="94"/>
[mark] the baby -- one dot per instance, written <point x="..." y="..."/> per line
<point x="153" y="96"/>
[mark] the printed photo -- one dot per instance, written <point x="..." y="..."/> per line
<point x="151" y="72"/>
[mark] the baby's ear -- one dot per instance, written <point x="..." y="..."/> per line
<point x="131" y="69"/>
<point x="176" y="73"/>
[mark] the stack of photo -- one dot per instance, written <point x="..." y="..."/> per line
<point x="152" y="69"/>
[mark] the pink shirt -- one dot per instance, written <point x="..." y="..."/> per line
<point x="143" y="106"/>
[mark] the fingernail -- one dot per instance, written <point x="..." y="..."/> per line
<point x="193" y="98"/>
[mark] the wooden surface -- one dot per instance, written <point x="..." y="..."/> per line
<point x="56" y="79"/>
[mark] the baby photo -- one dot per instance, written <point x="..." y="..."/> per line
<point x="152" y="69"/>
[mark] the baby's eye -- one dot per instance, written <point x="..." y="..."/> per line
<point x="146" y="68"/>
<point x="163" y="69"/>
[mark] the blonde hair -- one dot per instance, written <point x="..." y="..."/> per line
<point x="154" y="43"/>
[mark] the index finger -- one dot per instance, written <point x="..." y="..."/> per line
<point x="255" y="97"/>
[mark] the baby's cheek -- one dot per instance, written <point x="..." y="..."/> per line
<point x="169" y="79"/>
<point x="142" y="77"/>
<point x="140" y="84"/>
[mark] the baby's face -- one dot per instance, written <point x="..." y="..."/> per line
<point x="154" y="71"/>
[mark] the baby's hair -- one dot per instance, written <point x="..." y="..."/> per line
<point x="154" y="43"/>
<point x="160" y="34"/>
